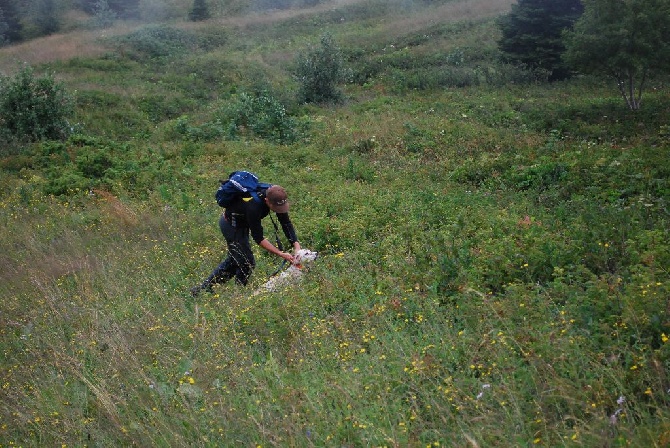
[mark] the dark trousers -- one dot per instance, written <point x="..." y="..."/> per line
<point x="240" y="262"/>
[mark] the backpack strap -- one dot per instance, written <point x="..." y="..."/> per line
<point x="261" y="191"/>
<point x="280" y="246"/>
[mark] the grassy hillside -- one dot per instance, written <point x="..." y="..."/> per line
<point x="494" y="250"/>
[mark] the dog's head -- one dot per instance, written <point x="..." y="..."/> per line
<point x="305" y="256"/>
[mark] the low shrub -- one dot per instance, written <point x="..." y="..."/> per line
<point x="84" y="163"/>
<point x="164" y="107"/>
<point x="183" y="129"/>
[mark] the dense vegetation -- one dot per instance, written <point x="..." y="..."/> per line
<point x="494" y="250"/>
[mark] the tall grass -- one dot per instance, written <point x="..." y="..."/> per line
<point x="493" y="266"/>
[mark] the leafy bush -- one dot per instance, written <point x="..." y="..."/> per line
<point x="93" y="163"/>
<point x="263" y="116"/>
<point x="34" y="108"/>
<point x="319" y="71"/>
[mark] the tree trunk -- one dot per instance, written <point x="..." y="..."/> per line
<point x="627" y="90"/>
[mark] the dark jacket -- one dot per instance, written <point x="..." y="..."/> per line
<point x="248" y="213"/>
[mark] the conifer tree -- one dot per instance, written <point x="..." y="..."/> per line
<point x="126" y="9"/>
<point x="104" y="16"/>
<point x="11" y="22"/>
<point x="45" y="17"/>
<point x="532" y="34"/>
<point x="199" y="11"/>
<point x="123" y="9"/>
<point x="3" y="28"/>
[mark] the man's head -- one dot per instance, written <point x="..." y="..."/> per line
<point x="277" y="199"/>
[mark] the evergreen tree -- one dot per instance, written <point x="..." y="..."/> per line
<point x="45" y="17"/>
<point x="104" y="16"/>
<point x="3" y="28"/>
<point x="12" y="24"/>
<point x="124" y="9"/>
<point x="199" y="11"/>
<point x="628" y="41"/>
<point x="532" y="34"/>
<point x="88" y="5"/>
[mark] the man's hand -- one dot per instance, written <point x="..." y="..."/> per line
<point x="267" y="245"/>
<point x="296" y="248"/>
<point x="288" y="257"/>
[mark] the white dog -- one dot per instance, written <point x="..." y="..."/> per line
<point x="292" y="275"/>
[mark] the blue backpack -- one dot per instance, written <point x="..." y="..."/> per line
<point x="240" y="184"/>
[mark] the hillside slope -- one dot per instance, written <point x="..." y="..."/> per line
<point x="87" y="43"/>
<point x="493" y="249"/>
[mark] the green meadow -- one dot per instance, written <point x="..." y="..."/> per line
<point x="494" y="249"/>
